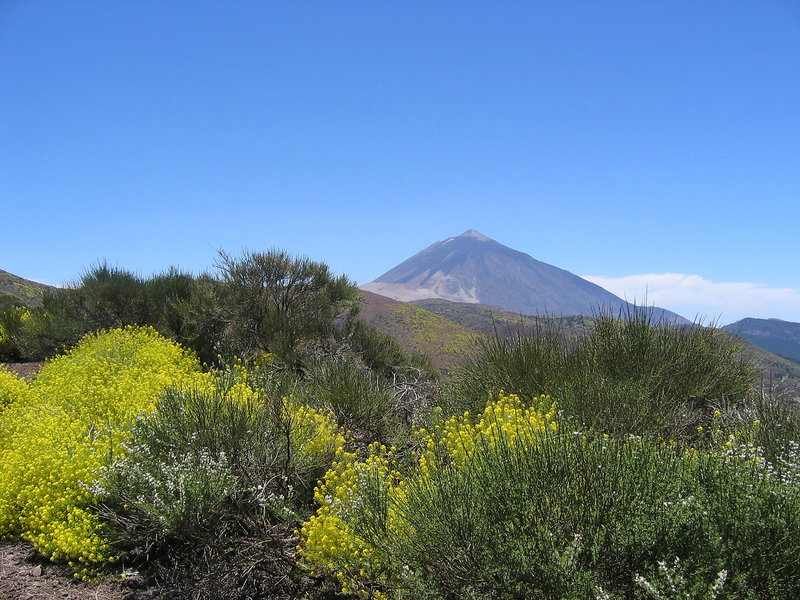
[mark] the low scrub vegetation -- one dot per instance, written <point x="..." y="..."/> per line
<point x="254" y="304"/>
<point x="210" y="485"/>
<point x="624" y="376"/>
<point x="244" y="436"/>
<point x="512" y="505"/>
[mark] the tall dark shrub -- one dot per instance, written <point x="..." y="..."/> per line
<point x="271" y="301"/>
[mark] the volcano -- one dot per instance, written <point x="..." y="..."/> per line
<point x="476" y="269"/>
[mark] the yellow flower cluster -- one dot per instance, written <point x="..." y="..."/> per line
<point x="12" y="389"/>
<point x="313" y="434"/>
<point x="112" y="376"/>
<point x="55" y="437"/>
<point x="505" y="420"/>
<point x="330" y="542"/>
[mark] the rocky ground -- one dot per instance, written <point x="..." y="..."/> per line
<point x="25" y="575"/>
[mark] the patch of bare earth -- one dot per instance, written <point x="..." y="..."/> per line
<point x="25" y="370"/>
<point x="25" y="575"/>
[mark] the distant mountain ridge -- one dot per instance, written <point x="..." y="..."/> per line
<point x="777" y="336"/>
<point x="475" y="269"/>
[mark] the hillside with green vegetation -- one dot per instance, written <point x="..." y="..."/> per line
<point x="250" y="434"/>
<point x="491" y="320"/>
<point x="16" y="291"/>
<point x="776" y="336"/>
<point x="778" y="373"/>
<point x="419" y="330"/>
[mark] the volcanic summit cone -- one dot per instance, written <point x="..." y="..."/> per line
<point x="476" y="269"/>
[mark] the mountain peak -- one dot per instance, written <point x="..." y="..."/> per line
<point x="461" y="270"/>
<point x="475" y="234"/>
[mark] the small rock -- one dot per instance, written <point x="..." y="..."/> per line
<point x="37" y="571"/>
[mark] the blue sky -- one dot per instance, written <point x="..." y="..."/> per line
<point x="648" y="145"/>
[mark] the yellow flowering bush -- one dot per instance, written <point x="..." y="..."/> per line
<point x="43" y="494"/>
<point x="314" y="433"/>
<point x="111" y="376"/>
<point x="333" y="539"/>
<point x="511" y="503"/>
<point x="70" y="424"/>
<point x="363" y="515"/>
<point x="12" y="389"/>
<point x="506" y="419"/>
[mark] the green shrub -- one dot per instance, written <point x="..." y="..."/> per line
<point x="684" y="373"/>
<point x="104" y="298"/>
<point x="623" y="376"/>
<point x="509" y="507"/>
<point x="9" y="310"/>
<point x="374" y="404"/>
<point x="382" y="353"/>
<point x="778" y="430"/>
<point x="360" y="400"/>
<point x="271" y="302"/>
<point x="23" y="334"/>
<point x="256" y="303"/>
<point x="528" y="362"/>
<point x="211" y="485"/>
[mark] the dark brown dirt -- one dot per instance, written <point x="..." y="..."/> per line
<point x="26" y="576"/>
<point x="26" y="370"/>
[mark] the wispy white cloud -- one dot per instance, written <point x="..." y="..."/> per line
<point x="696" y="297"/>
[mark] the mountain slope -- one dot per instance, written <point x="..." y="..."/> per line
<point x="423" y="326"/>
<point x="415" y="328"/>
<point x="475" y="269"/>
<point x="776" y="336"/>
<point x="16" y="290"/>
<point x="490" y="320"/>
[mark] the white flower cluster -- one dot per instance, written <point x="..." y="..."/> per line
<point x="674" y="586"/>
